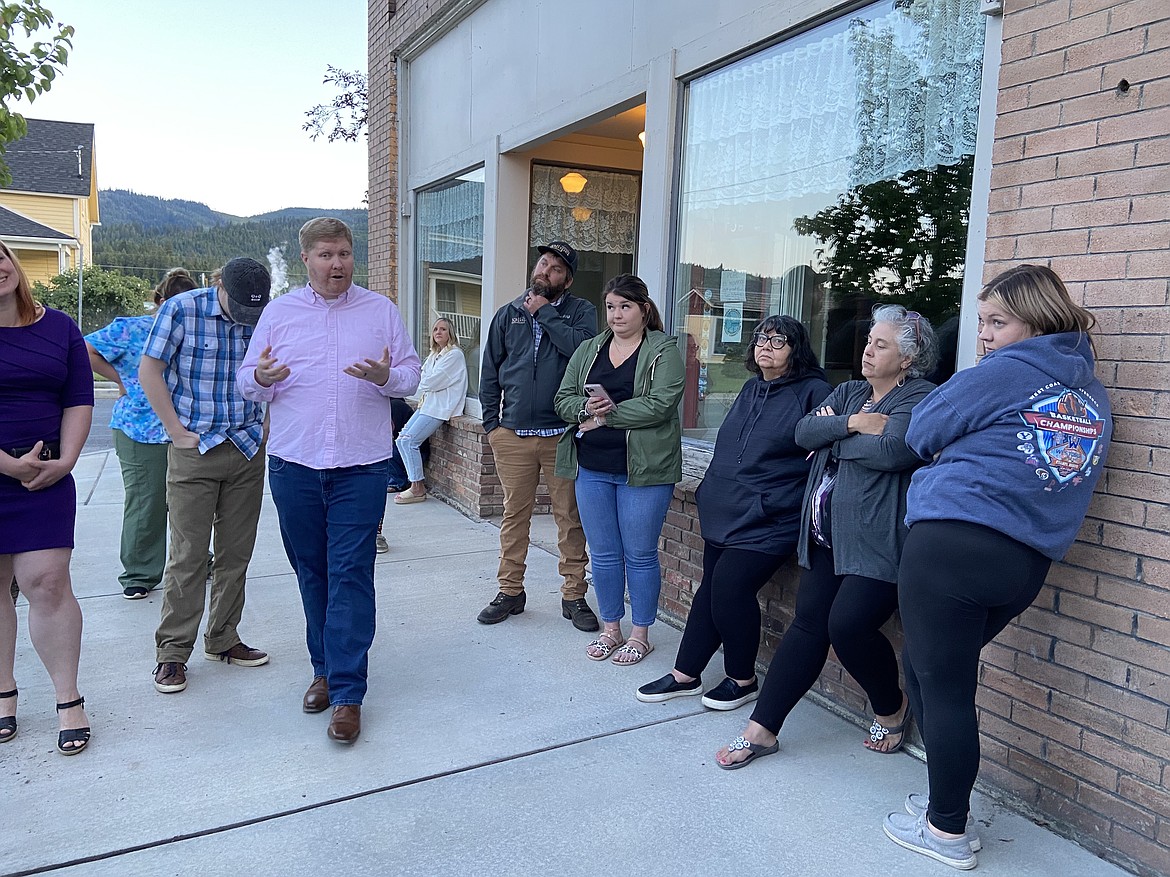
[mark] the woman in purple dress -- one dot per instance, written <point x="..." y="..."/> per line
<point x="46" y="405"/>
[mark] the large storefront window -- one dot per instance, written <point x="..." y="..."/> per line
<point x="450" y="264"/>
<point x="596" y="212"/>
<point x="819" y="177"/>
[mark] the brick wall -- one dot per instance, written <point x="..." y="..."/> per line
<point x="391" y="23"/>
<point x="382" y="85"/>
<point x="1074" y="702"/>
<point x="462" y="471"/>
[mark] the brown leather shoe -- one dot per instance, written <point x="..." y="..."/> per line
<point x="240" y="655"/>
<point x="346" y="723"/>
<point x="170" y="677"/>
<point x="317" y="697"/>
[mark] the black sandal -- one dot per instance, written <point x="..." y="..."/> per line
<point x="79" y="736"/>
<point x="7" y="723"/>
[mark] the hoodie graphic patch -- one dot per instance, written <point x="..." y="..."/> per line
<point x="1062" y="443"/>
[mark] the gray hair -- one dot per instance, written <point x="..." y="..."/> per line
<point x="915" y="336"/>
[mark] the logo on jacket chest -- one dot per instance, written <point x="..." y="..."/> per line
<point x="1063" y="442"/>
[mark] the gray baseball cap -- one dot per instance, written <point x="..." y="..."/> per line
<point x="248" y="285"/>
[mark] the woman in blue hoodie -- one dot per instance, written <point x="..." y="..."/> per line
<point x="749" y="512"/>
<point x="1017" y="445"/>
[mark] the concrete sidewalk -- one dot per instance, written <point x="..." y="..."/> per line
<point x="485" y="750"/>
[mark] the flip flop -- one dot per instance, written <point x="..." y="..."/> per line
<point x="879" y="732"/>
<point x="754" y="750"/>
<point x="634" y="648"/>
<point x="601" y="644"/>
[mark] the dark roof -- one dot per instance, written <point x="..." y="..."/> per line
<point x="13" y="225"/>
<point x="45" y="159"/>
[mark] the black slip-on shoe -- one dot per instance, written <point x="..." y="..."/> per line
<point x="729" y="694"/>
<point x="668" y="687"/>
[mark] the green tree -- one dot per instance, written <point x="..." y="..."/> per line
<point x="902" y="240"/>
<point x="346" y="112"/>
<point x="26" y="72"/>
<point x="106" y="294"/>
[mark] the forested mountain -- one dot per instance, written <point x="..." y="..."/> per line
<point x="121" y="207"/>
<point x="145" y="236"/>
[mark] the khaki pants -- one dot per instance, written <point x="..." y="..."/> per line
<point x="224" y="489"/>
<point x="519" y="463"/>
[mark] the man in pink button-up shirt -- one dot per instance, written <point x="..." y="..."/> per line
<point x="327" y="359"/>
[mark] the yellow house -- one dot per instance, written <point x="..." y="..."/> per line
<point x="48" y="211"/>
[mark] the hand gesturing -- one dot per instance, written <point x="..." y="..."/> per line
<point x="268" y="370"/>
<point x="376" y="371"/>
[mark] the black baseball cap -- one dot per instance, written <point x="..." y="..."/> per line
<point x="560" y="248"/>
<point x="248" y="285"/>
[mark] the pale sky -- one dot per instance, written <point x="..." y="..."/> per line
<point x="205" y="100"/>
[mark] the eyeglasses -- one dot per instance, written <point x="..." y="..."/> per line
<point x="776" y="342"/>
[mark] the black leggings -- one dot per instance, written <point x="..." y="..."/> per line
<point x="959" y="585"/>
<point x="725" y="610"/>
<point x="848" y="611"/>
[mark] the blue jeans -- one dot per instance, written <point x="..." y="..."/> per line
<point x="622" y="525"/>
<point x="418" y="429"/>
<point x="396" y="473"/>
<point x="328" y="518"/>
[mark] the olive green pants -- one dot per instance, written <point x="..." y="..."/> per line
<point x="144" y="511"/>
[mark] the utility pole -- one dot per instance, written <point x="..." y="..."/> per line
<point x="80" y="274"/>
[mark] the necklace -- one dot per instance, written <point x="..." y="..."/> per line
<point x="619" y="354"/>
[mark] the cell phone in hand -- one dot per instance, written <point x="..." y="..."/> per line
<point x="598" y="392"/>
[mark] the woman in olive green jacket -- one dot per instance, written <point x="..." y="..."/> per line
<point x="622" y="390"/>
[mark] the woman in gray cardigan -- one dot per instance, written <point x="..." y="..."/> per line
<point x="851" y="538"/>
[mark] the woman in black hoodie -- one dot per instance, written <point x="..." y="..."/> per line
<point x="749" y="512"/>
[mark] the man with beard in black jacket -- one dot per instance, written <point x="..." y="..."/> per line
<point x="527" y="349"/>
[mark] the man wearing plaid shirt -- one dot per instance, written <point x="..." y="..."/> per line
<point x="215" y="471"/>
<point x="525" y="354"/>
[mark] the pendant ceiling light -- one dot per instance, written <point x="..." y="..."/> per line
<point x="573" y="182"/>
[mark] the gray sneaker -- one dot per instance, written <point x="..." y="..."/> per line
<point x="912" y="833"/>
<point x="918" y="803"/>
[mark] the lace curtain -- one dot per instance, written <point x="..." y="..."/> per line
<point x="450" y="222"/>
<point x="601" y="218"/>
<point x="896" y="87"/>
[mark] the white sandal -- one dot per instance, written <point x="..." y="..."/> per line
<point x="408" y="496"/>
<point x="606" y="648"/>
<point x="636" y="648"/>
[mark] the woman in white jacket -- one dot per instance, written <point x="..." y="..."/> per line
<point x="442" y="391"/>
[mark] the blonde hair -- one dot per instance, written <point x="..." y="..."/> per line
<point x="454" y="342"/>
<point x="26" y="305"/>
<point x="1035" y="295"/>
<point x="323" y="228"/>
